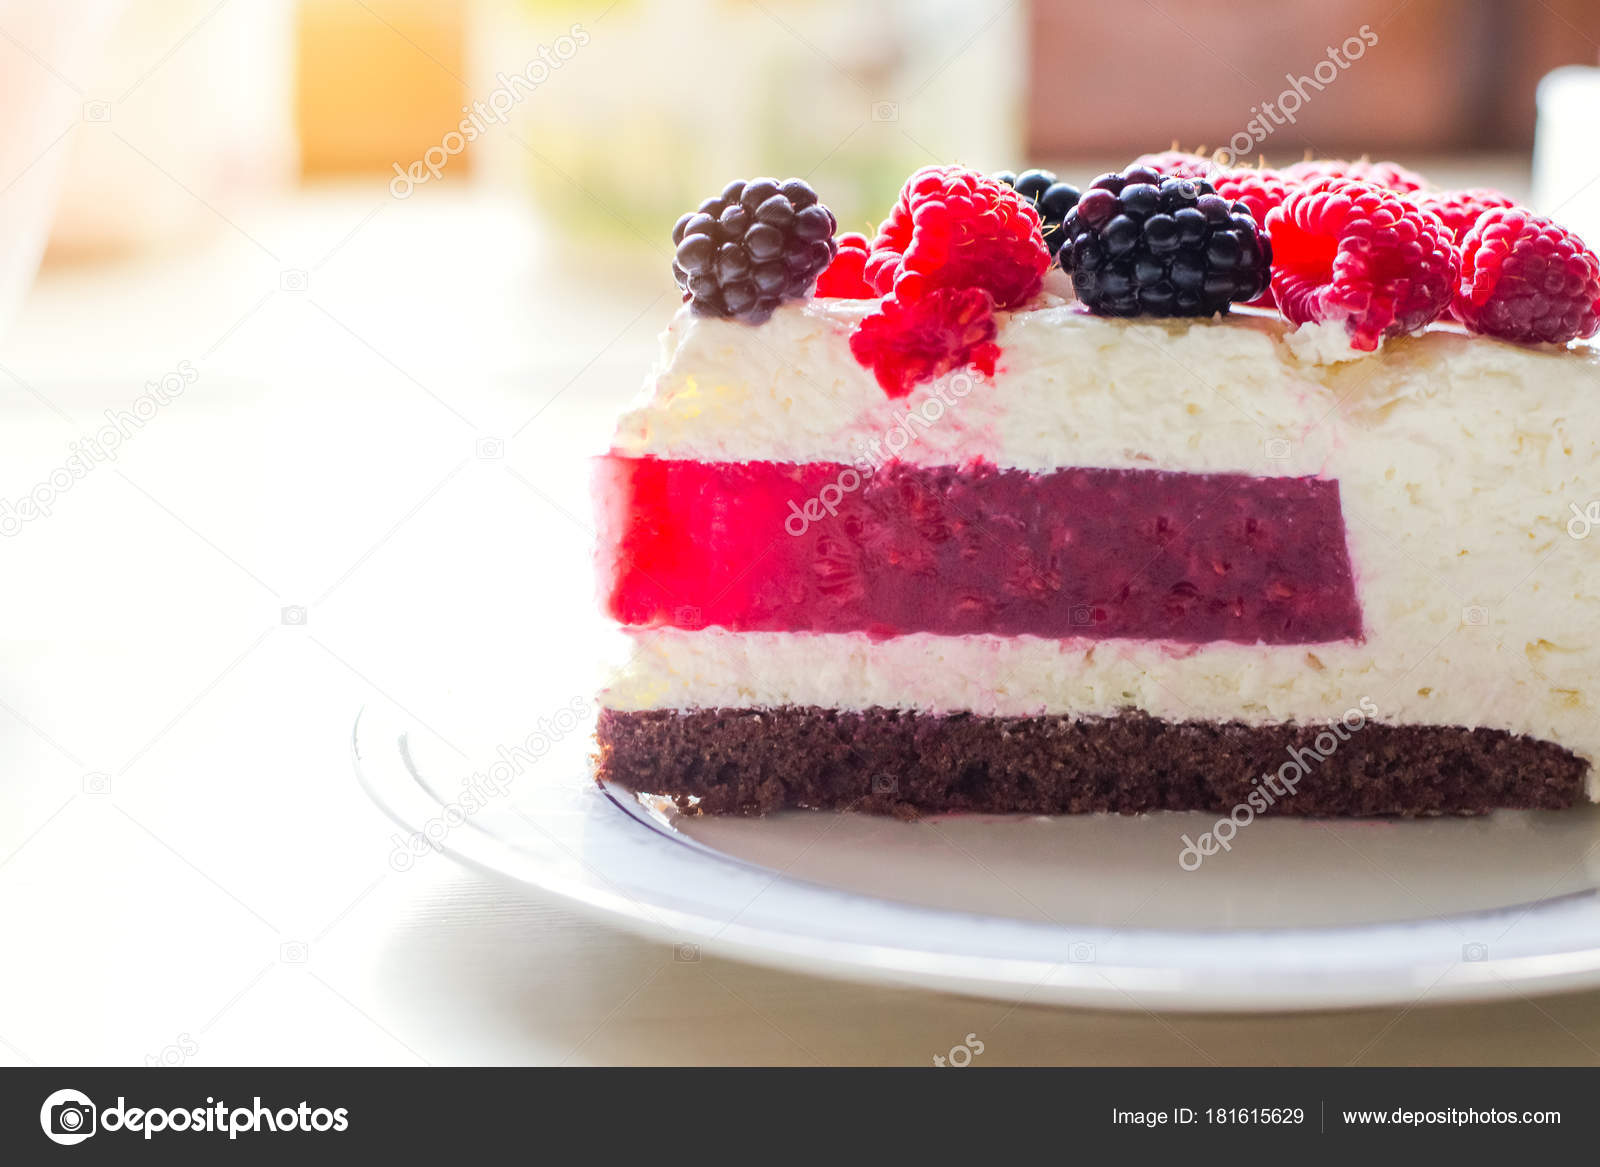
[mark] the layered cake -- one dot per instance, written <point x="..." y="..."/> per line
<point x="1192" y="490"/>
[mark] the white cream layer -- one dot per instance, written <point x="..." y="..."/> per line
<point x="1459" y="461"/>
<point x="1470" y="679"/>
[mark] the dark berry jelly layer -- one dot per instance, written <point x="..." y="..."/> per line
<point x="824" y="547"/>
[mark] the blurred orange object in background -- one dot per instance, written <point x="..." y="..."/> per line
<point x="378" y="81"/>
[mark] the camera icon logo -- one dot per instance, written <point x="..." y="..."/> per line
<point x="1278" y="449"/>
<point x="97" y="785"/>
<point x="293" y="952"/>
<point x="294" y="280"/>
<point x="294" y="614"/>
<point x="686" y="953"/>
<point x="490" y="449"/>
<point x="97" y="111"/>
<point x="1081" y="952"/>
<point x="886" y="111"/>
<point x="1475" y="953"/>
<point x="688" y="616"/>
<point x="1082" y="615"/>
<point x="68" y="1117"/>
<point x="885" y="784"/>
<point x="1475" y="616"/>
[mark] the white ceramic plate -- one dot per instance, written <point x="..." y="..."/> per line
<point x="1075" y="910"/>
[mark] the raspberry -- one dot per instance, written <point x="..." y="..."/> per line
<point x="1179" y="164"/>
<point x="1524" y="278"/>
<point x="750" y="248"/>
<point x="1259" y="190"/>
<point x="880" y="267"/>
<point x="1053" y="200"/>
<point x="954" y="228"/>
<point x="1459" y="209"/>
<point x="1354" y="252"/>
<point x="907" y="342"/>
<point x="1177" y="249"/>
<point x="1389" y="175"/>
<point x="844" y="279"/>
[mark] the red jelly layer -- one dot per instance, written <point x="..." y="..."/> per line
<point x="957" y="550"/>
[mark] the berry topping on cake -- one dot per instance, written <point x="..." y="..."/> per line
<point x="845" y="278"/>
<point x="1362" y="255"/>
<point x="1459" y="209"/>
<point x="954" y="228"/>
<point x="907" y="342"/>
<point x="1143" y="245"/>
<point x="1389" y="175"/>
<point x="1052" y="199"/>
<point x="753" y="246"/>
<point x="1179" y="164"/>
<point x="1524" y="278"/>
<point x="1259" y="189"/>
<point x="1030" y="184"/>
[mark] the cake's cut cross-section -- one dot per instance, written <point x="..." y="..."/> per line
<point x="975" y="549"/>
<point x="749" y="761"/>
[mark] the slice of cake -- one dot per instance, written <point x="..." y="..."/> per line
<point x="961" y="533"/>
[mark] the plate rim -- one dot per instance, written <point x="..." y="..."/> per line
<point x="1158" y="981"/>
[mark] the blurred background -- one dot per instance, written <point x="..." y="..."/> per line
<point x="361" y="283"/>
<point x="606" y="120"/>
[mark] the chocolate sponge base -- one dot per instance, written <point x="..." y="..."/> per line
<point x="886" y="761"/>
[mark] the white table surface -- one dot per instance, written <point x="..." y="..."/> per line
<point x="188" y="869"/>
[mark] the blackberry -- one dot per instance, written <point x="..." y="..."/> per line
<point x="1053" y="200"/>
<point x="753" y="246"/>
<point x="1143" y="245"/>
